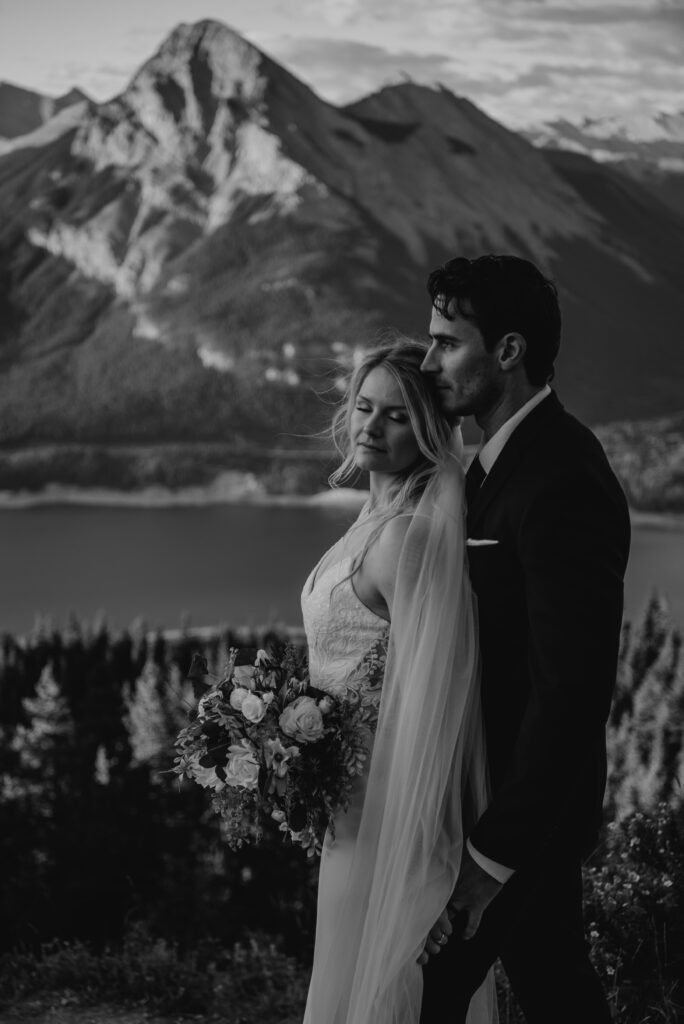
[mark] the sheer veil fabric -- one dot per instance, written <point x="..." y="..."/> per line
<point x="427" y="779"/>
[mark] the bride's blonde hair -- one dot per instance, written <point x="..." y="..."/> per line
<point x="402" y="358"/>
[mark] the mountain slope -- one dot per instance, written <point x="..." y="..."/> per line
<point x="23" y="111"/>
<point x="194" y="260"/>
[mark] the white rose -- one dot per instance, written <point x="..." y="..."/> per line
<point x="243" y="675"/>
<point x="242" y="768"/>
<point x="208" y="779"/>
<point x="237" y="697"/>
<point x="302" y="719"/>
<point x="253" y="708"/>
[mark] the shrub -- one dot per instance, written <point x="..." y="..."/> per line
<point x="634" y="911"/>
<point x="249" y="983"/>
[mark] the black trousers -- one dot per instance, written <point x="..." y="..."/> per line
<point x="535" y="926"/>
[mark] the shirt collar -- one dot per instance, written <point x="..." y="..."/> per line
<point x="490" y="452"/>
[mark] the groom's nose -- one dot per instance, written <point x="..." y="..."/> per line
<point x="431" y="362"/>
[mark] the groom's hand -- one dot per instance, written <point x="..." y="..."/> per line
<point x="474" y="891"/>
<point x="437" y="938"/>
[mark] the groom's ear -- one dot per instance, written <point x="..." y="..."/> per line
<point x="511" y="351"/>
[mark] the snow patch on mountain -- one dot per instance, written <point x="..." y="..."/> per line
<point x="64" y="121"/>
<point x="88" y="247"/>
<point x="259" y="168"/>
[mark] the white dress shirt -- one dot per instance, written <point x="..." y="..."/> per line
<point x="488" y="454"/>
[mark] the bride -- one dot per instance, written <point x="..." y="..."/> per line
<point x="398" y="577"/>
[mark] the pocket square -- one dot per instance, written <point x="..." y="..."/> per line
<point x="472" y="543"/>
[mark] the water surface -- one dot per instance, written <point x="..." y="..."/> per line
<point x="236" y="564"/>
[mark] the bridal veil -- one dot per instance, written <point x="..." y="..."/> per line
<point x="427" y="772"/>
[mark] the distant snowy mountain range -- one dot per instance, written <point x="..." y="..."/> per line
<point x="193" y="261"/>
<point x="648" y="148"/>
<point x="657" y="138"/>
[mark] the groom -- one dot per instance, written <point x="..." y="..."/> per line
<point x="548" y="540"/>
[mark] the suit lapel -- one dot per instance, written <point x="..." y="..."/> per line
<point x="534" y="427"/>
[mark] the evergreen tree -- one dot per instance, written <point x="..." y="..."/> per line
<point x="646" y="728"/>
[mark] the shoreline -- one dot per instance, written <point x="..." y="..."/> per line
<point x="229" y="491"/>
<point x="657" y="520"/>
<point x="248" y="492"/>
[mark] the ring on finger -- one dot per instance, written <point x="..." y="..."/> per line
<point x="442" y="939"/>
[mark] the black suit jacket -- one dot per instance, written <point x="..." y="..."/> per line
<point x="549" y="596"/>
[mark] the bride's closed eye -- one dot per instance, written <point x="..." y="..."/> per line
<point x="397" y="417"/>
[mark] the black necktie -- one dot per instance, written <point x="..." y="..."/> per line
<point x="474" y="478"/>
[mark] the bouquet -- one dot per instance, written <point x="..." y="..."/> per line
<point x="269" y="745"/>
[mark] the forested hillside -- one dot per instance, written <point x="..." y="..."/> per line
<point x="101" y="845"/>
<point x="648" y="456"/>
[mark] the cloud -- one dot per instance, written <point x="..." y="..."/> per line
<point x="520" y="60"/>
<point x="342" y="70"/>
<point x="582" y="73"/>
<point x="587" y="11"/>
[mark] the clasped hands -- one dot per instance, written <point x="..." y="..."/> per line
<point x="474" y="891"/>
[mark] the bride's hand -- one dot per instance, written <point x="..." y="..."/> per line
<point x="437" y="938"/>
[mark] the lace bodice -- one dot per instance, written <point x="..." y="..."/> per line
<point x="340" y="631"/>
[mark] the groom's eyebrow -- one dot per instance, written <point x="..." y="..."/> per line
<point x="440" y="336"/>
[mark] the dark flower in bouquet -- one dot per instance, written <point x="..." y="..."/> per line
<point x="271" y="746"/>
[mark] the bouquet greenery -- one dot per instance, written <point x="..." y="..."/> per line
<point x="269" y="745"/>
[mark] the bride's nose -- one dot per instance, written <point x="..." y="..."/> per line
<point x="372" y="424"/>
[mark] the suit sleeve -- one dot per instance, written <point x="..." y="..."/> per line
<point x="572" y="546"/>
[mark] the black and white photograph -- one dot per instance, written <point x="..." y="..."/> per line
<point x="342" y="512"/>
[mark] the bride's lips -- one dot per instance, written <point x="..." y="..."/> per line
<point x="368" y="447"/>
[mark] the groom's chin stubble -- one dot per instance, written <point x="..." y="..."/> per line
<point x="453" y="418"/>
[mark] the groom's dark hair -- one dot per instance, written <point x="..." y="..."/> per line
<point x="502" y="294"/>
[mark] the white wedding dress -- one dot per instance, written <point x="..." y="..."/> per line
<point x="340" y="630"/>
<point x="392" y="865"/>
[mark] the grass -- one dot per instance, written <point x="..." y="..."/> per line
<point x="150" y="980"/>
<point x="250" y="983"/>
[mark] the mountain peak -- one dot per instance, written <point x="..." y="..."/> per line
<point x="208" y="31"/>
<point x="211" y="51"/>
<point x="197" y="70"/>
<point x="210" y="36"/>
<point x="68" y="99"/>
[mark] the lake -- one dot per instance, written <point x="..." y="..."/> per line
<point x="232" y="564"/>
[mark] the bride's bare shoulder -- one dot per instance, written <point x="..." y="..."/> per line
<point x="382" y="556"/>
<point x="392" y="536"/>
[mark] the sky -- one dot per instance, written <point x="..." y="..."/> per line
<point x="523" y="61"/>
